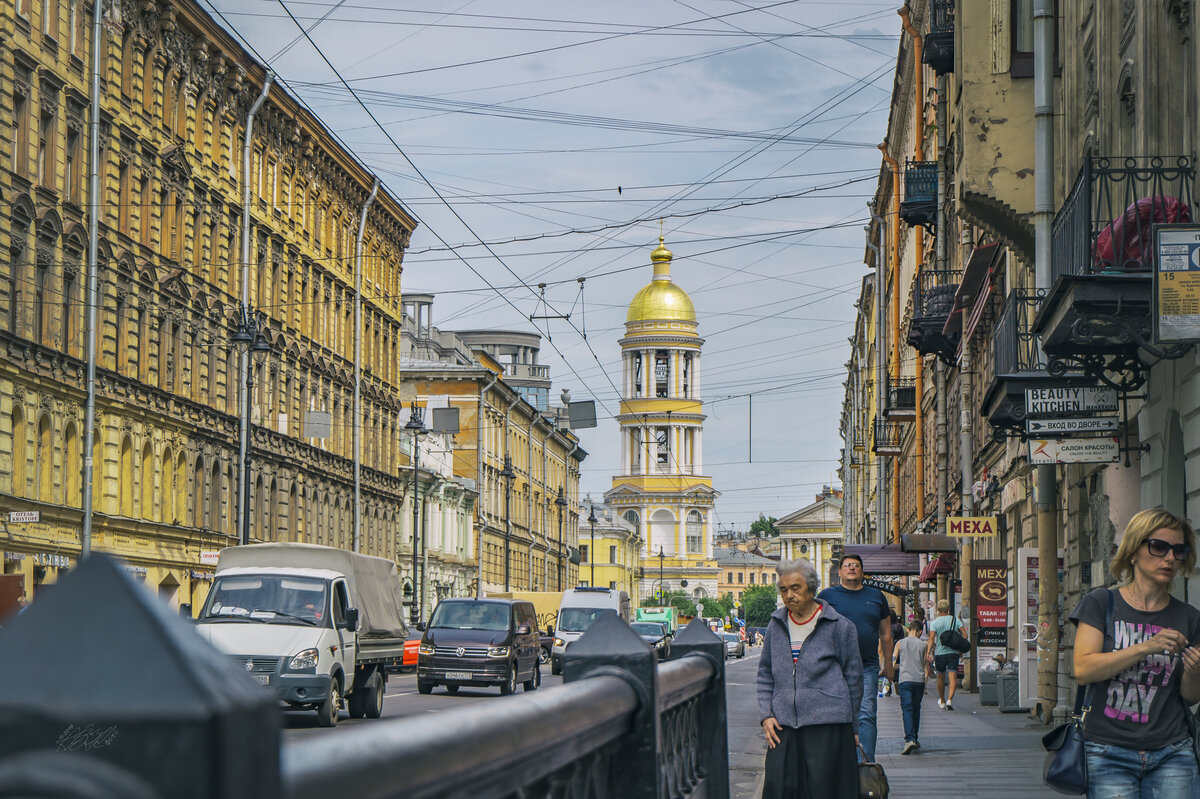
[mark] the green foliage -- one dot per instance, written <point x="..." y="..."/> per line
<point x="764" y="526"/>
<point x="759" y="604"/>
<point x="677" y="599"/>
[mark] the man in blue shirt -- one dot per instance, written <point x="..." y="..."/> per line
<point x="868" y="609"/>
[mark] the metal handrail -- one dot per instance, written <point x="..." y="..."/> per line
<point x="463" y="752"/>
<point x="1016" y="348"/>
<point x="933" y="293"/>
<point x="683" y="679"/>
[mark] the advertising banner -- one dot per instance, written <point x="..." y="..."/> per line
<point x="989" y="591"/>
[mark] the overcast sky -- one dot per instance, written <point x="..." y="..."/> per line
<point x="559" y="133"/>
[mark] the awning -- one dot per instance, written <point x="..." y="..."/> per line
<point x="974" y="278"/>
<point x="942" y="564"/>
<point x="885" y="558"/>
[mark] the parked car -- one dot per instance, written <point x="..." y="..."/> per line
<point x="480" y="642"/>
<point x="655" y="634"/>
<point x="411" y="645"/>
<point x="547" y="641"/>
<point x="579" y="608"/>
<point x="734" y="645"/>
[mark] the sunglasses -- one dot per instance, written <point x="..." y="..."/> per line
<point x="1159" y="548"/>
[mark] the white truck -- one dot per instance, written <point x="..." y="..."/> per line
<point x="576" y="612"/>
<point x="316" y="624"/>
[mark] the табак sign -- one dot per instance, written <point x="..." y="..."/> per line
<point x="1105" y="449"/>
<point x="1080" y="399"/>
<point x="971" y="526"/>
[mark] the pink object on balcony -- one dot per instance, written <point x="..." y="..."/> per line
<point x="1131" y="234"/>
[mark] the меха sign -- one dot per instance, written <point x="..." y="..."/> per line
<point x="971" y="526"/>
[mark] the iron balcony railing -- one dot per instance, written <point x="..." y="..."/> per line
<point x="1015" y="346"/>
<point x="933" y="295"/>
<point x="902" y="394"/>
<point x="938" y="52"/>
<point x="887" y="438"/>
<point x="1105" y="224"/>
<point x="919" y="206"/>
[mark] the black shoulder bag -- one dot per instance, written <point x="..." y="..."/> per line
<point x="1065" y="769"/>
<point x="953" y="639"/>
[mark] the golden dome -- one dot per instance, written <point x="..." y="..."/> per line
<point x="661" y="299"/>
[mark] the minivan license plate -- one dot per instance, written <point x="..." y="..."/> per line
<point x="458" y="675"/>
<point x="263" y="679"/>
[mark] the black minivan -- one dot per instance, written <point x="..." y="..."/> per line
<point x="480" y="642"/>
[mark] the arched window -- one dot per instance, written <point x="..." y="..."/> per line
<point x="125" y="478"/>
<point x="272" y="528"/>
<point x="293" y="511"/>
<point x="71" y="466"/>
<point x="146" y="478"/>
<point x="662" y="531"/>
<point x="695" y="532"/>
<point x="167" y="489"/>
<point x="214" y="498"/>
<point x="45" y="462"/>
<point x="197" y="509"/>
<point x="631" y="516"/>
<point x="180" y="487"/>
<point x="257" y="509"/>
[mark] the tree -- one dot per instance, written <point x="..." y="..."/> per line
<point x="759" y="604"/>
<point x="676" y="599"/>
<point x="764" y="527"/>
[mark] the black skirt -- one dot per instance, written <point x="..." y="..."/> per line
<point x="817" y="762"/>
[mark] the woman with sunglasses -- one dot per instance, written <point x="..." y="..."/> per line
<point x="1144" y="669"/>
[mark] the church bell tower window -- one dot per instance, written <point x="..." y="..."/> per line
<point x="662" y="373"/>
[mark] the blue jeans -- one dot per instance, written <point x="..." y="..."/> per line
<point x="910" y="708"/>
<point x="1115" y="772"/>
<point x="868" y="730"/>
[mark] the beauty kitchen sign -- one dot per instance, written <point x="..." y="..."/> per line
<point x="971" y="526"/>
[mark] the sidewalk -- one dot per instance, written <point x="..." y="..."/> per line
<point x="972" y="751"/>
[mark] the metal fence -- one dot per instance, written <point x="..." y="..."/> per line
<point x="121" y="698"/>
<point x="1015" y="346"/>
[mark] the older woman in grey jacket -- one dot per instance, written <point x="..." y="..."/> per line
<point x="809" y="690"/>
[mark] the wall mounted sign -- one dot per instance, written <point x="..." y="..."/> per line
<point x="1065" y="399"/>
<point x="971" y="526"/>
<point x="1069" y="424"/>
<point x="1106" y="449"/>
<point x="1177" y="284"/>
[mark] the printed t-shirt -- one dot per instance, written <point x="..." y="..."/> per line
<point x="1141" y="707"/>
<point x="948" y="622"/>
<point x="865" y="607"/>
<point x="912" y="660"/>
<point x="799" y="630"/>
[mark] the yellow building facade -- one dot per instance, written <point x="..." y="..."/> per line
<point x="662" y="490"/>
<point x="175" y="93"/>
<point x="611" y="552"/>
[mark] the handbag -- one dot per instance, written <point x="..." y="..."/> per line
<point x="952" y="639"/>
<point x="1065" y="769"/>
<point x="872" y="781"/>
<point x="1193" y="725"/>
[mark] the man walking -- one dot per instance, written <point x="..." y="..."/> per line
<point x="868" y="609"/>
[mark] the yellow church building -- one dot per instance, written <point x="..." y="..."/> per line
<point x="662" y="491"/>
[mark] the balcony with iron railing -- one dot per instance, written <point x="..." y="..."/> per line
<point x="901" y="399"/>
<point x="932" y="303"/>
<point x="938" y="51"/>
<point x="887" y="437"/>
<point x="1098" y="313"/>
<point x="919" y="206"/>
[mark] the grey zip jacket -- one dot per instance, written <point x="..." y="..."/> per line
<point x="824" y="686"/>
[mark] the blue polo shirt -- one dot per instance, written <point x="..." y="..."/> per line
<point x="866" y="608"/>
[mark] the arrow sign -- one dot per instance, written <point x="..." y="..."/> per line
<point x="1090" y="424"/>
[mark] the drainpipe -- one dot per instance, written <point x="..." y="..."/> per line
<point x="894" y="329"/>
<point x="880" y="344"/>
<point x="479" y="489"/>
<point x="918" y="251"/>
<point x="508" y="496"/>
<point x="244" y="360"/>
<point x="356" y="428"/>
<point x="941" y="452"/>
<point x="1047" y="498"/>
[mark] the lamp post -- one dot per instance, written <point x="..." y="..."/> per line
<point x="592" y="546"/>
<point x="508" y="474"/>
<point x="561" y="502"/>
<point x="416" y="426"/>
<point x="248" y="337"/>
<point x="661" y="590"/>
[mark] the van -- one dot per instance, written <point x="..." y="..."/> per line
<point x="482" y="642"/>
<point x="578" y="609"/>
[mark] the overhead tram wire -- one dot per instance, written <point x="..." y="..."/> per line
<point x="457" y="216"/>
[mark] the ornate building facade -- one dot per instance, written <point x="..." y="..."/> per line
<point x="662" y="491"/>
<point x="175" y="93"/>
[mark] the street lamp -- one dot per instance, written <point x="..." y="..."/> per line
<point x="592" y="547"/>
<point x="661" y="590"/>
<point x="561" y="502"/>
<point x="416" y="426"/>
<point x="508" y="474"/>
<point x="251" y="339"/>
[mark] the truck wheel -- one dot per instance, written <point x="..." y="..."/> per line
<point x="327" y="713"/>
<point x="510" y="683"/>
<point x="354" y="703"/>
<point x="373" y="698"/>
<point x="424" y="687"/>
<point x="535" y="681"/>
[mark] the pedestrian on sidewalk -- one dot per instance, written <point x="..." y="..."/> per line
<point x="1138" y="744"/>
<point x="869" y="610"/>
<point x="910" y="684"/>
<point x="945" y="659"/>
<point x="810" y="685"/>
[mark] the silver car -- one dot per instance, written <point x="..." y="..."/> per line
<point x="734" y="645"/>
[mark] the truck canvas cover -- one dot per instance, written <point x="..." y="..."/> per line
<point x="373" y="582"/>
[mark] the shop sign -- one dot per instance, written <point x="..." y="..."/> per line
<point x="208" y="557"/>
<point x="14" y="556"/>
<point x="48" y="559"/>
<point x="24" y="516"/>
<point x="1105" y="449"/>
<point x="1066" y="399"/>
<point x="137" y="570"/>
<point x="971" y="526"/>
<point x="1177" y="284"/>
<point x="195" y="575"/>
<point x="989" y="581"/>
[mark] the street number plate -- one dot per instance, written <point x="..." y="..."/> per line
<point x="458" y="675"/>
<point x="263" y="679"/>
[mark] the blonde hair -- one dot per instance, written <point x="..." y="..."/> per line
<point x="943" y="606"/>
<point x="1142" y="526"/>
